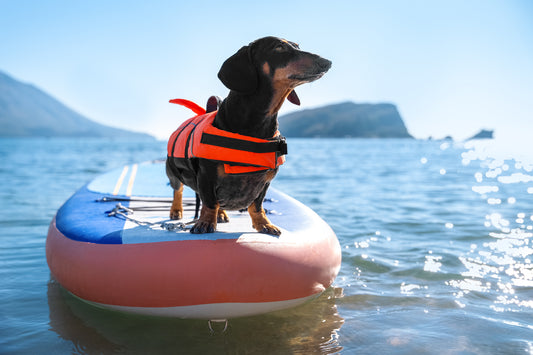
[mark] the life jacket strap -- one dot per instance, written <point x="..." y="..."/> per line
<point x="276" y="145"/>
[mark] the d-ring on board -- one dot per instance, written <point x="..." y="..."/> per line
<point x="225" y="321"/>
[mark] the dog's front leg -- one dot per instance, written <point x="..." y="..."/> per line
<point x="207" y="223"/>
<point x="259" y="219"/>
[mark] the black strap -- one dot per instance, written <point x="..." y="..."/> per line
<point x="276" y="145"/>
<point x="197" y="207"/>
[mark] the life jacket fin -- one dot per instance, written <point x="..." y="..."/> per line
<point x="194" y="107"/>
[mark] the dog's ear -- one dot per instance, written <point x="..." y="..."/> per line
<point x="238" y="72"/>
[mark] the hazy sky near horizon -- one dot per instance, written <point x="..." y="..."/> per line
<point x="452" y="67"/>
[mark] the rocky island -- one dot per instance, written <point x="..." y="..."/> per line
<point x="483" y="134"/>
<point x="346" y="119"/>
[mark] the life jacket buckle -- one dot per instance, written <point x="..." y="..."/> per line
<point x="282" y="146"/>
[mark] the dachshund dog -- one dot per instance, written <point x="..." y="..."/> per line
<point x="260" y="77"/>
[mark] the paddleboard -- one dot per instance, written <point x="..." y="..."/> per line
<point x="113" y="245"/>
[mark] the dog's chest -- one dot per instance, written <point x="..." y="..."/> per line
<point x="235" y="192"/>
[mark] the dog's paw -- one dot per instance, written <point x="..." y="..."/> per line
<point x="261" y="223"/>
<point x="176" y="214"/>
<point x="201" y="227"/>
<point x="222" y="216"/>
<point x="268" y="229"/>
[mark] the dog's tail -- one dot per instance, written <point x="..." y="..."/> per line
<point x="197" y="207"/>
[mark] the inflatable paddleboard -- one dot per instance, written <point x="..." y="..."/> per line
<point x="112" y="244"/>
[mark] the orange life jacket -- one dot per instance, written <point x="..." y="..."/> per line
<point x="198" y="138"/>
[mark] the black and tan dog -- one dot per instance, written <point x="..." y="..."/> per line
<point x="260" y="77"/>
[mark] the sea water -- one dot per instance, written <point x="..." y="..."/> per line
<point x="437" y="242"/>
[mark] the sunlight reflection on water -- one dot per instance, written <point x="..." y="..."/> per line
<point x="502" y="266"/>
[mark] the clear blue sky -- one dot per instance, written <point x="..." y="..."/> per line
<point x="452" y="67"/>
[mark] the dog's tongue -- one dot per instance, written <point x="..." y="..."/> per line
<point x="294" y="98"/>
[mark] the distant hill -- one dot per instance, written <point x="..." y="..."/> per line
<point x="26" y="111"/>
<point x="483" y="134"/>
<point x="346" y="119"/>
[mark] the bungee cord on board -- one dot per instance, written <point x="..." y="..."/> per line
<point x="121" y="211"/>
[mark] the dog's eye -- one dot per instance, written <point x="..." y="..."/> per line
<point x="279" y="48"/>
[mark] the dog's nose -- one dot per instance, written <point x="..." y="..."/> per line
<point x="324" y="64"/>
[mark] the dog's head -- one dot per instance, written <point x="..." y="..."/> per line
<point x="273" y="62"/>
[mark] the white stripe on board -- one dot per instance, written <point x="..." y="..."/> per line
<point x="132" y="179"/>
<point x="120" y="180"/>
